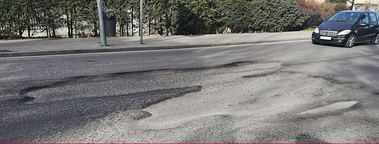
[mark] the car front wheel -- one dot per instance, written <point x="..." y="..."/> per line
<point x="350" y="41"/>
<point x="375" y="40"/>
<point x="315" y="42"/>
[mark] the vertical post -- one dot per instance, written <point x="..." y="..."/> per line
<point x="352" y="5"/>
<point x="101" y="23"/>
<point x="141" y="21"/>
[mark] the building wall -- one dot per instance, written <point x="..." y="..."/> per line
<point x="319" y="1"/>
<point x="361" y="5"/>
<point x="373" y="7"/>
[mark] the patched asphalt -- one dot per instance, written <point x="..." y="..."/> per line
<point x="288" y="92"/>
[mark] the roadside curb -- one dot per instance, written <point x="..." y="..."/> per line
<point x="102" y="50"/>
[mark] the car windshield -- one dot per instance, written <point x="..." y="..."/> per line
<point x="345" y="17"/>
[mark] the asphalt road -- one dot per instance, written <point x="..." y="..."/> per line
<point x="277" y="92"/>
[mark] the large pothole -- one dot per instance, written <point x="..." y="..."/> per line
<point x="241" y="102"/>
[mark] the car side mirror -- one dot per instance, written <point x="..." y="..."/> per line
<point x="363" y="24"/>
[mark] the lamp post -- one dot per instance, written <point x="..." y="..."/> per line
<point x="101" y="23"/>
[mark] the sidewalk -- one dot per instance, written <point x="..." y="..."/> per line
<point x="12" y="48"/>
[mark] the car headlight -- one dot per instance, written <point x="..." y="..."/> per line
<point x="316" y="30"/>
<point x="345" y="32"/>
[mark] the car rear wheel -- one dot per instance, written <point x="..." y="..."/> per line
<point x="350" y="41"/>
<point x="375" y="40"/>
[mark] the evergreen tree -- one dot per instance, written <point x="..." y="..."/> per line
<point x="49" y="16"/>
<point x="164" y="17"/>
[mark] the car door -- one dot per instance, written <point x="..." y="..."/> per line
<point x="373" y="26"/>
<point x="363" y="27"/>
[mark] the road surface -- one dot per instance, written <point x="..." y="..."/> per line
<point x="275" y="92"/>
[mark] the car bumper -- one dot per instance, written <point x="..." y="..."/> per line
<point x="338" y="40"/>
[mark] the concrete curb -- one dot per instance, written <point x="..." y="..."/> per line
<point x="81" y="51"/>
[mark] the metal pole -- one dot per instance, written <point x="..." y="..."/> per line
<point x="141" y="21"/>
<point x="352" y="5"/>
<point x="101" y="23"/>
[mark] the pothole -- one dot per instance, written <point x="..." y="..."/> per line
<point x="261" y="74"/>
<point x="328" y="109"/>
<point x="6" y="51"/>
<point x="331" y="80"/>
<point x="49" y="89"/>
<point x="26" y="99"/>
<point x="137" y="114"/>
<point x="13" y="101"/>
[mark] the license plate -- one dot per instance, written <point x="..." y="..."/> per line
<point x="325" y="38"/>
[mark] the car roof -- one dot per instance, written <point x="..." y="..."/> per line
<point x="358" y="11"/>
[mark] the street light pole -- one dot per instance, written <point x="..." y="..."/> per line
<point x="141" y="21"/>
<point x="101" y="23"/>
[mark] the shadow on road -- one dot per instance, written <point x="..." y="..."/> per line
<point x="305" y="138"/>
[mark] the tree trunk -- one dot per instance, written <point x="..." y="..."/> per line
<point x="121" y="29"/>
<point x="127" y="29"/>
<point x="72" y="24"/>
<point x="29" y="7"/>
<point x="69" y="27"/>
<point x="132" y="22"/>
<point x="171" y="17"/>
<point x="29" y="29"/>
<point x="54" y="32"/>
<point x="155" y="23"/>
<point x="53" y="29"/>
<point x="167" y="17"/>
<point x="161" y="27"/>
<point x="69" y="30"/>
<point x="75" y="29"/>
<point x="95" y="28"/>
<point x="68" y="22"/>
<point x="20" y="32"/>
<point x="149" y="26"/>
<point x="47" y="32"/>
<point x="148" y="17"/>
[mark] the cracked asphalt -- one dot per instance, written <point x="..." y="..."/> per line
<point x="292" y="92"/>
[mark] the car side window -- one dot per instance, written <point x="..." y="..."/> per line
<point x="365" y="19"/>
<point x="373" y="18"/>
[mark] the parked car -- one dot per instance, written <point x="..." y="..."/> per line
<point x="347" y="28"/>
